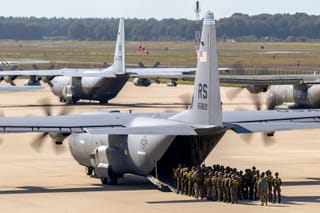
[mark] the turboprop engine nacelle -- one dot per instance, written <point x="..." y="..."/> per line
<point x="142" y="82"/>
<point x="32" y="81"/>
<point x="257" y="88"/>
<point x="10" y="79"/>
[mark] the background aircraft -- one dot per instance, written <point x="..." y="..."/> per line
<point x="71" y="85"/>
<point x="301" y="91"/>
<point x="110" y="144"/>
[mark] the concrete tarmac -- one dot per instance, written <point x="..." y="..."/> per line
<point x="44" y="181"/>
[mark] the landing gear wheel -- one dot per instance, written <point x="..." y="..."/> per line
<point x="103" y="102"/>
<point x="113" y="180"/>
<point x="89" y="171"/>
<point x="104" y="181"/>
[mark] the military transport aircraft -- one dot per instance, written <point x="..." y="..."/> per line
<point x="110" y="144"/>
<point x="71" y="85"/>
<point x="302" y="91"/>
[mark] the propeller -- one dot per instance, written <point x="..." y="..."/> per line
<point x="256" y="101"/>
<point x="186" y="100"/>
<point x="39" y="140"/>
<point x="267" y="138"/>
<point x="1" y="115"/>
<point x="141" y="64"/>
<point x="232" y="93"/>
<point x="155" y="65"/>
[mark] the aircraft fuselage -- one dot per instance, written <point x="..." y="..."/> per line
<point x="72" y="89"/>
<point x="303" y="96"/>
<point x="140" y="154"/>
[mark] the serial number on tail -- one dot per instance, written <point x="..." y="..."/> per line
<point x="202" y="106"/>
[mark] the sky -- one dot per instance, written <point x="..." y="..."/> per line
<point x="145" y="9"/>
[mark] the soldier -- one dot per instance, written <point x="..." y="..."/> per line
<point x="177" y="175"/>
<point x="184" y="180"/>
<point x="220" y="186"/>
<point x="263" y="189"/>
<point x="214" y="182"/>
<point x="208" y="184"/>
<point x="276" y="188"/>
<point x="226" y="188"/>
<point x="246" y="184"/>
<point x="239" y="178"/>
<point x="234" y="187"/>
<point x="255" y="183"/>
<point x="196" y="184"/>
<point x="270" y="184"/>
<point x="190" y="191"/>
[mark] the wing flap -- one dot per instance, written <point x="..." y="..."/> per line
<point x="270" y="121"/>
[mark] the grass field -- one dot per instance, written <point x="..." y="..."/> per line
<point x="97" y="54"/>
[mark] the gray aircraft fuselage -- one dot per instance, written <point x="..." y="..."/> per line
<point x="138" y="154"/>
<point x="302" y="95"/>
<point x="72" y="89"/>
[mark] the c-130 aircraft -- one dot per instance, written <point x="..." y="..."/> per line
<point x="111" y="144"/>
<point x="102" y="85"/>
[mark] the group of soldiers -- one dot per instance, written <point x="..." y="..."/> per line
<point x="219" y="183"/>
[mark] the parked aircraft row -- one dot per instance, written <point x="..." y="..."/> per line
<point x="71" y="85"/>
<point x="111" y="144"/>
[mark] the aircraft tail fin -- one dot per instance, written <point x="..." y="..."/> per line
<point x="206" y="105"/>
<point x="119" y="61"/>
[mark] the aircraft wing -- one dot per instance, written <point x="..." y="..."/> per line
<point x="19" y="88"/>
<point x="159" y="124"/>
<point x="59" y="72"/>
<point x="151" y="73"/>
<point x="101" y="123"/>
<point x="26" y="62"/>
<point x="188" y="74"/>
<point x="271" y="120"/>
<point x="168" y="73"/>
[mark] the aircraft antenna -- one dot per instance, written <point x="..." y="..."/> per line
<point x="197" y="35"/>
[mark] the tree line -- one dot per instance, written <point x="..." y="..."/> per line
<point x="299" y="26"/>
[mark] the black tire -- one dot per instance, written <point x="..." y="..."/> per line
<point x="113" y="180"/>
<point x="89" y="171"/>
<point x="103" y="102"/>
<point x="104" y="181"/>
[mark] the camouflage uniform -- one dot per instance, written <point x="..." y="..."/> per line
<point x="220" y="186"/>
<point x="190" y="181"/>
<point x="177" y="174"/>
<point x="226" y="188"/>
<point x="255" y="182"/>
<point x="276" y="188"/>
<point x="270" y="184"/>
<point x="214" y="183"/>
<point x="234" y="187"/>
<point x="263" y="189"/>
<point x="196" y="184"/>
<point x="184" y="180"/>
<point x="208" y="185"/>
<point x="246" y="184"/>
